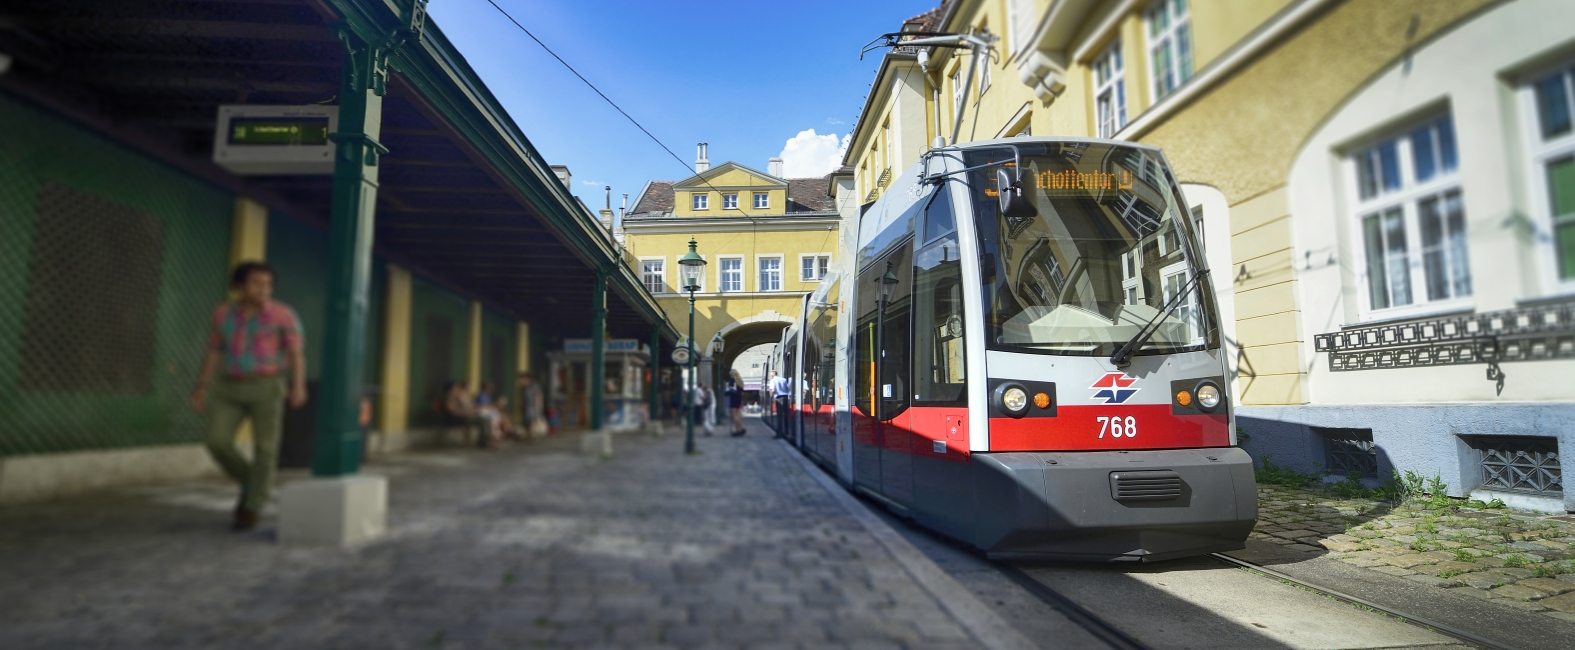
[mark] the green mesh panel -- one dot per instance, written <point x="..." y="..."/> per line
<point x="498" y="345"/>
<point x="159" y="257"/>
<point x="439" y="321"/>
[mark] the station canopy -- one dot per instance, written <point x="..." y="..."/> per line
<point x="464" y="198"/>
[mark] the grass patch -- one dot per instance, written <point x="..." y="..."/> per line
<point x="1516" y="560"/>
<point x="1463" y="555"/>
<point x="1273" y="474"/>
<point x="1550" y="569"/>
<point x="1496" y="504"/>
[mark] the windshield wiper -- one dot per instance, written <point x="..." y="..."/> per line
<point x="1123" y="356"/>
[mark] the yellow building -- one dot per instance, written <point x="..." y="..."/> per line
<point x="767" y="241"/>
<point x="1355" y="167"/>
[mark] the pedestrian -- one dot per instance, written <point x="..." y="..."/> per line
<point x="735" y="406"/>
<point x="708" y="408"/>
<point x="258" y="344"/>
<point x="530" y="407"/>
<point x="780" y="391"/>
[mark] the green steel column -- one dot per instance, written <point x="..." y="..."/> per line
<point x="656" y="372"/>
<point x="598" y="349"/>
<point x="363" y="80"/>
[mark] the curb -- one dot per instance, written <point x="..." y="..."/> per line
<point x="982" y="623"/>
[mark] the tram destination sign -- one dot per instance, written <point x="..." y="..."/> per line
<point x="264" y="140"/>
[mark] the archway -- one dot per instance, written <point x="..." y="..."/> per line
<point x="746" y="334"/>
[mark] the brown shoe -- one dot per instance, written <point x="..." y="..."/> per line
<point x="244" y="520"/>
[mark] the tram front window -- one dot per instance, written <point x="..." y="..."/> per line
<point x="1106" y="252"/>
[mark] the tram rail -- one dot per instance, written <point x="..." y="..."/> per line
<point x="1402" y="616"/>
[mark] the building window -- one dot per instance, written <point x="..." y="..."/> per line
<point x="729" y="201"/>
<point x="983" y="72"/>
<point x="812" y="268"/>
<point x="1551" y="100"/>
<point x="886" y="142"/>
<point x="957" y="91"/>
<point x="1410" y="218"/>
<point x="762" y="200"/>
<point x="732" y="273"/>
<point x="652" y="275"/>
<point x="770" y="274"/>
<point x="1169" y="46"/>
<point x="1197" y="227"/>
<point x="699" y="201"/>
<point x="1110" y="93"/>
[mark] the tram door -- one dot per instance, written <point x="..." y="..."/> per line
<point x="883" y="453"/>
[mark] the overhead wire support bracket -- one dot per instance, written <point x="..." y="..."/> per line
<point x="976" y="44"/>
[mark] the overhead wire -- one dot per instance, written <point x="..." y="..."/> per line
<point x="599" y="93"/>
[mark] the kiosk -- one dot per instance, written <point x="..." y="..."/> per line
<point x="569" y="394"/>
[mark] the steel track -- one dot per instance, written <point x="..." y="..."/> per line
<point x="1404" y="617"/>
<point x="1096" y="626"/>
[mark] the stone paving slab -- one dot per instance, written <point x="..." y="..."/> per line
<point x="534" y="546"/>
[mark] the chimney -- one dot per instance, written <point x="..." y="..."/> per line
<point x="563" y="176"/>
<point x="622" y="210"/>
<point x="607" y="213"/>
<point x="774" y="167"/>
<point x="701" y="163"/>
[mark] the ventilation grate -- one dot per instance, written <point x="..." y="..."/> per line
<point x="1349" y="451"/>
<point x="1145" y="486"/>
<point x="1520" y="464"/>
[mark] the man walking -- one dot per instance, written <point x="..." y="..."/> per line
<point x="254" y="339"/>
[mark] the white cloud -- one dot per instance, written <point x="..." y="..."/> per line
<point x="808" y="155"/>
<point x="833" y="120"/>
<point x="592" y="183"/>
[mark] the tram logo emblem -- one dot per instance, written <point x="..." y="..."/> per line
<point x="1114" y="387"/>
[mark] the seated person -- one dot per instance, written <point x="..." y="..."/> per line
<point x="457" y="406"/>
<point x="488" y="408"/>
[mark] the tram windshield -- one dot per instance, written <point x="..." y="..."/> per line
<point x="1107" y="251"/>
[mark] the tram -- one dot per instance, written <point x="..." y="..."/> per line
<point x="1022" y="352"/>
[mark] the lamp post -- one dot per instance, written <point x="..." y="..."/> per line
<point x="718" y="373"/>
<point x="887" y="282"/>
<point x="691" y="266"/>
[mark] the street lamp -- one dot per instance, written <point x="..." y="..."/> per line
<point x="888" y="284"/>
<point x="690" y="268"/>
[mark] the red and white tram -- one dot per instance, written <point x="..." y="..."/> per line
<point x="1022" y="352"/>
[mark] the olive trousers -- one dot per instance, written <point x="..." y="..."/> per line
<point x="229" y="402"/>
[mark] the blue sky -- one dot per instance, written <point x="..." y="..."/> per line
<point x="744" y="76"/>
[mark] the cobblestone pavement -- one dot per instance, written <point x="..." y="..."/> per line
<point x="1515" y="558"/>
<point x="534" y="546"/>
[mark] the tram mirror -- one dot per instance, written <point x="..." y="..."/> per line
<point x="1013" y="203"/>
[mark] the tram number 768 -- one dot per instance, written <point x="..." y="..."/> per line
<point x="1117" y="427"/>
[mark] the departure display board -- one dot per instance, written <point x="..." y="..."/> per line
<point x="279" y="131"/>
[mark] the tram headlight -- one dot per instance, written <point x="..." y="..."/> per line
<point x="1012" y="399"/>
<point x="1208" y="396"/>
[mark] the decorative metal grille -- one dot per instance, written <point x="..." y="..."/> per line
<point x="1529" y="334"/>
<point x="1349" y="450"/>
<point x="1522" y="464"/>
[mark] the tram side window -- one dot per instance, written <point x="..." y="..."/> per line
<point x="938" y="365"/>
<point x="894" y="380"/>
<point x="890" y="324"/>
<point x="863" y="366"/>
